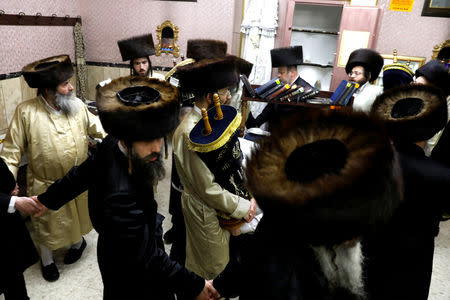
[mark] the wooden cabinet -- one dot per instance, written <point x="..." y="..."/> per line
<point x="328" y="31"/>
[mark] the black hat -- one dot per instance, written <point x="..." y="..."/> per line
<point x="436" y="73"/>
<point x="367" y="58"/>
<point x="331" y="174"/>
<point x="137" y="108"/>
<point x="135" y="47"/>
<point x="289" y="56"/>
<point x="412" y="113"/>
<point x="209" y="75"/>
<point x="48" y="72"/>
<point x="396" y="74"/>
<point x="198" y="49"/>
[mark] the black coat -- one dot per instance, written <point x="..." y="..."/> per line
<point x="17" y="251"/>
<point x="132" y="264"/>
<point x="399" y="258"/>
<point x="275" y="263"/>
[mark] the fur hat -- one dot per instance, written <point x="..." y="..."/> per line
<point x="436" y="73"/>
<point x="412" y="113"/>
<point x="289" y="56"/>
<point x="396" y="74"/>
<point x="137" y="108"/>
<point x="210" y="75"/>
<point x="48" y="72"/>
<point x="202" y="48"/>
<point x="135" y="47"/>
<point x="367" y="58"/>
<point x="332" y="175"/>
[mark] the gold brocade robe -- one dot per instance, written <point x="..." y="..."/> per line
<point x="207" y="244"/>
<point x="53" y="144"/>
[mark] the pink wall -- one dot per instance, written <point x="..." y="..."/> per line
<point x="20" y="45"/>
<point x="105" y="23"/>
<point x="409" y="33"/>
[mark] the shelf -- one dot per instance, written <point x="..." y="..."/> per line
<point x="316" y="65"/>
<point x="314" y="31"/>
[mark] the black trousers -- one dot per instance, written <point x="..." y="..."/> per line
<point x="16" y="288"/>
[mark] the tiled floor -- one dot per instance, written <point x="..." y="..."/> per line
<point x="82" y="279"/>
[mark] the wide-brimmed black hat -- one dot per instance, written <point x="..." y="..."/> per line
<point x="367" y="58"/>
<point x="396" y="74"/>
<point x="412" y="113"/>
<point x="136" y="47"/>
<point x="136" y="108"/>
<point x="48" y="72"/>
<point x="289" y="56"/>
<point x="327" y="176"/>
<point x="210" y="75"/>
<point x="436" y="73"/>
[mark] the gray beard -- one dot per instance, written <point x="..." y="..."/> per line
<point x="67" y="103"/>
<point x="342" y="266"/>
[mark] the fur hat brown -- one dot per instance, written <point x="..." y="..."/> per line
<point x="209" y="75"/>
<point x="331" y="175"/>
<point x="412" y="113"/>
<point x="371" y="60"/>
<point x="205" y="49"/>
<point x="137" y="108"/>
<point x="135" y="47"/>
<point x="289" y="56"/>
<point x="48" y="72"/>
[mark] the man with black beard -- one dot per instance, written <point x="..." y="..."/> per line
<point x="137" y="113"/>
<point x="52" y="130"/>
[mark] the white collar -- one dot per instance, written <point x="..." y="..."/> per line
<point x="122" y="148"/>
<point x="52" y="110"/>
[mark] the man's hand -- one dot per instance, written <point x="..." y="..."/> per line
<point x="15" y="191"/>
<point x="42" y="209"/>
<point x="28" y="206"/>
<point x="251" y="212"/>
<point x="208" y="292"/>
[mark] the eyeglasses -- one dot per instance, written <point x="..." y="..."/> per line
<point x="356" y="73"/>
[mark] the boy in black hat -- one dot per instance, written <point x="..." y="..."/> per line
<point x="137" y="112"/>
<point x="138" y="50"/>
<point x="400" y="255"/>
<point x="207" y="244"/>
<point x="364" y="66"/>
<point x="52" y="130"/>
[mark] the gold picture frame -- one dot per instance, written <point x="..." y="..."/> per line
<point x="415" y="62"/>
<point x="437" y="48"/>
<point x="167" y="35"/>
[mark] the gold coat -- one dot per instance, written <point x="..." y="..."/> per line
<point x="53" y="144"/>
<point x="207" y="244"/>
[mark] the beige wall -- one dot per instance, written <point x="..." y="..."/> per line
<point x="15" y="90"/>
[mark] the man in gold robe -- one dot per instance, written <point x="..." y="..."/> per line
<point x="52" y="131"/>
<point x="207" y="244"/>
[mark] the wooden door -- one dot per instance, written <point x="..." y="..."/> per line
<point x="356" y="21"/>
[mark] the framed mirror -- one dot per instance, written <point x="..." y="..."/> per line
<point x="442" y="52"/>
<point x="167" y="35"/>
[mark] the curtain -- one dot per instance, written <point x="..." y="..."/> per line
<point x="259" y="27"/>
<point x="81" y="69"/>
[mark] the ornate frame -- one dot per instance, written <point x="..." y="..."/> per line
<point x="415" y="63"/>
<point x="437" y="48"/>
<point x="439" y="9"/>
<point x="158" y="48"/>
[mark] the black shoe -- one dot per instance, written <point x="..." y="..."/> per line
<point x="74" y="254"/>
<point x="169" y="236"/>
<point x="50" y="272"/>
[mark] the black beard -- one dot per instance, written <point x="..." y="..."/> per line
<point x="146" y="172"/>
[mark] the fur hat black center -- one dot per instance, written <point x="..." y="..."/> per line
<point x="312" y="160"/>
<point x="137" y="95"/>
<point x="407" y="107"/>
